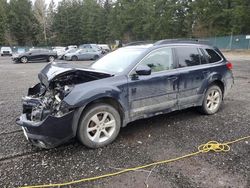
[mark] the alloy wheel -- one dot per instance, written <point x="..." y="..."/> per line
<point x="24" y="60"/>
<point x="213" y="100"/>
<point x="101" y="127"/>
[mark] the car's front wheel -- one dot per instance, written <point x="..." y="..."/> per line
<point x="99" y="126"/>
<point x="24" y="59"/>
<point x="74" y="58"/>
<point x="212" y="100"/>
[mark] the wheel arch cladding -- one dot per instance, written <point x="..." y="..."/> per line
<point x="106" y="100"/>
<point x="220" y="84"/>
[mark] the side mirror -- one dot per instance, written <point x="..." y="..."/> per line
<point x="143" y="70"/>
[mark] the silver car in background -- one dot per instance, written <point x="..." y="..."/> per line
<point x="83" y="54"/>
<point x="71" y="50"/>
<point x="6" y="51"/>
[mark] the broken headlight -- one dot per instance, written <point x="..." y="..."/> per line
<point x="63" y="109"/>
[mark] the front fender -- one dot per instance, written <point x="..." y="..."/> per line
<point x="82" y="100"/>
<point x="79" y="98"/>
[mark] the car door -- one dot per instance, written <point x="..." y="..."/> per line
<point x="44" y="55"/>
<point x="34" y="55"/>
<point x="193" y="75"/>
<point x="91" y="53"/>
<point x="82" y="54"/>
<point x="155" y="93"/>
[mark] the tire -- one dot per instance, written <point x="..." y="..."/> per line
<point x="51" y="58"/>
<point x="74" y="58"/>
<point x="95" y="128"/>
<point x="212" y="100"/>
<point x="24" y="59"/>
<point x="96" y="57"/>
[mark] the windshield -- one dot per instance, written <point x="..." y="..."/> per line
<point x="117" y="61"/>
<point x="5" y="48"/>
<point x="77" y="51"/>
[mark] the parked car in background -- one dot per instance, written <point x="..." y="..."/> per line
<point x="83" y="54"/>
<point x="71" y="50"/>
<point x="90" y="46"/>
<point x="6" y="51"/>
<point x="35" y="55"/>
<point x="60" y="50"/>
<point x="71" y="47"/>
<point x="105" y="48"/>
<point x="130" y="83"/>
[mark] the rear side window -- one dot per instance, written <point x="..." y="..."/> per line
<point x="212" y="56"/>
<point x="203" y="56"/>
<point x="188" y="56"/>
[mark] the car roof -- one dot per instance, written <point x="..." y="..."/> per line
<point x="184" y="44"/>
<point x="177" y="42"/>
<point x="147" y="46"/>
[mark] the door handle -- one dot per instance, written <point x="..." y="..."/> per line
<point x="173" y="78"/>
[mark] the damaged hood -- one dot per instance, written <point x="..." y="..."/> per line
<point x="54" y="70"/>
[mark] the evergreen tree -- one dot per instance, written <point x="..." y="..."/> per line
<point x="23" y="26"/>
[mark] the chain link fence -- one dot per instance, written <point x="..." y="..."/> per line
<point x="232" y="42"/>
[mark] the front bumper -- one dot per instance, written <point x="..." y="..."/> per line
<point x="50" y="132"/>
<point x="15" y="59"/>
<point x="6" y="54"/>
<point x="68" y="58"/>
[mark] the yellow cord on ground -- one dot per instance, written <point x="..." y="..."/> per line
<point x="204" y="148"/>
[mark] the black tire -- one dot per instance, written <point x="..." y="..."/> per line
<point x="85" y="136"/>
<point x="51" y="58"/>
<point x="96" y="57"/>
<point x="74" y="58"/>
<point x="208" y="97"/>
<point x="24" y="59"/>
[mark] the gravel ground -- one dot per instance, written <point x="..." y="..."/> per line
<point x="143" y="141"/>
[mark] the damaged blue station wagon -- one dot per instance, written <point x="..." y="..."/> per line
<point x="130" y="83"/>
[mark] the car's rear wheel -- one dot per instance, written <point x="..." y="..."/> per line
<point x="99" y="126"/>
<point x="74" y="58"/>
<point x="51" y="58"/>
<point x="212" y="100"/>
<point x="24" y="59"/>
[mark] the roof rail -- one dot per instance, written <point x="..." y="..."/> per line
<point x="189" y="41"/>
<point x="135" y="43"/>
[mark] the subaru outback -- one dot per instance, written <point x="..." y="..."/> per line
<point x="130" y="83"/>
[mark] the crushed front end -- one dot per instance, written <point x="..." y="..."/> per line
<point x="47" y="119"/>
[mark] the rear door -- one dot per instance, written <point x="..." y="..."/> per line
<point x="152" y="94"/>
<point x="193" y="75"/>
<point x="43" y="55"/>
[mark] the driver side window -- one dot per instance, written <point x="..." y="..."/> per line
<point x="159" y="60"/>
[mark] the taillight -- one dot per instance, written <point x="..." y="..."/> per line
<point x="229" y="65"/>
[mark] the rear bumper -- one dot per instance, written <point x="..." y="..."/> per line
<point x="68" y="58"/>
<point x="50" y="132"/>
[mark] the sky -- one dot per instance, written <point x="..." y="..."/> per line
<point x="48" y="1"/>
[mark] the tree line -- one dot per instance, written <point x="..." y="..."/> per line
<point x="103" y="21"/>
